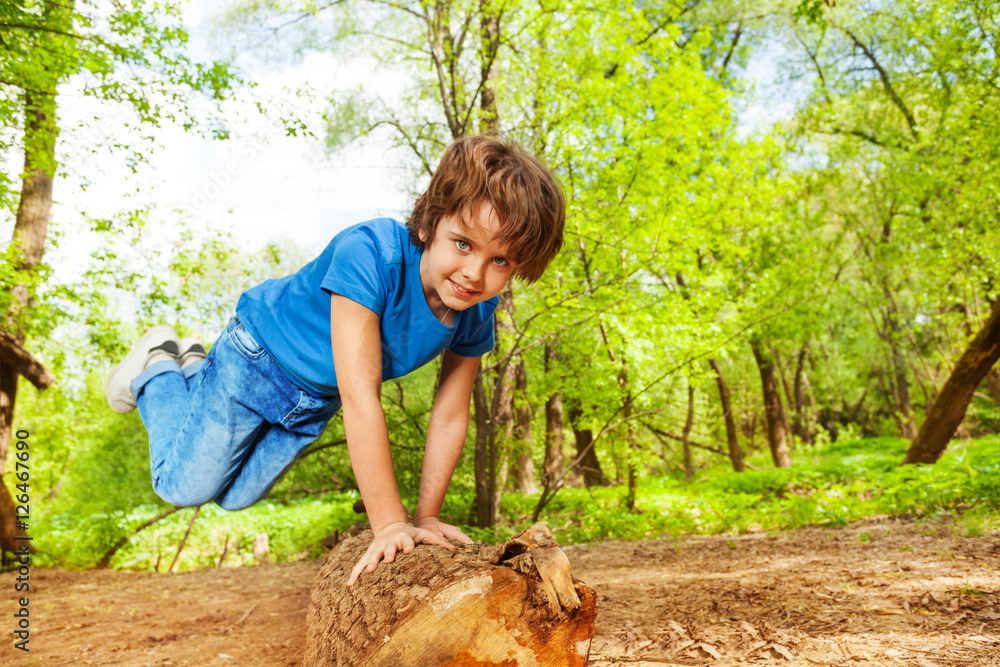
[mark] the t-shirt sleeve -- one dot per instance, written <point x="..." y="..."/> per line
<point x="475" y="336"/>
<point x="355" y="270"/>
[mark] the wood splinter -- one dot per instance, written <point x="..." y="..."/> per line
<point x="508" y="604"/>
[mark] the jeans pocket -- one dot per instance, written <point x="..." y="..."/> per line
<point x="245" y="343"/>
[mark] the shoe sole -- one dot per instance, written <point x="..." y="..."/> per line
<point x="116" y="398"/>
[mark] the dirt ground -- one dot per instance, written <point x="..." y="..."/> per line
<point x="887" y="592"/>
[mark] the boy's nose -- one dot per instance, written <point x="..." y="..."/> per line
<point x="473" y="271"/>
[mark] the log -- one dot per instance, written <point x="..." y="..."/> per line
<point x="508" y="604"/>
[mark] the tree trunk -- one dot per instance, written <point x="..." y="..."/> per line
<point x="590" y="465"/>
<point x="735" y="453"/>
<point x="773" y="411"/>
<point x="501" y="420"/>
<point x="524" y="463"/>
<point x="489" y="33"/>
<point x="553" y="427"/>
<point x="491" y="420"/>
<point x="749" y="427"/>
<point x="30" y="229"/>
<point x="633" y="473"/>
<point x="801" y="423"/>
<point x="949" y="408"/>
<point x="901" y="386"/>
<point x="482" y="456"/>
<point x="783" y="376"/>
<point x="508" y="604"/>
<point x="904" y="404"/>
<point x="686" y="435"/>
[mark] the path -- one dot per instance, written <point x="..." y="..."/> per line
<point x="879" y="593"/>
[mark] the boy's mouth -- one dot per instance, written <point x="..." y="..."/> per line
<point x="461" y="291"/>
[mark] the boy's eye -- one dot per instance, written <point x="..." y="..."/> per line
<point x="500" y="261"/>
<point x="463" y="245"/>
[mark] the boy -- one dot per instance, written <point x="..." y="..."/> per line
<point x="381" y="300"/>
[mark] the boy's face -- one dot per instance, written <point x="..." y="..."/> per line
<point x="462" y="266"/>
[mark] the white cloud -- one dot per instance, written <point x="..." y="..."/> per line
<point x="263" y="184"/>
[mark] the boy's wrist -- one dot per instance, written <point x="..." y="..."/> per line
<point x="417" y="520"/>
<point x="382" y="520"/>
<point x="422" y="515"/>
<point x="400" y="522"/>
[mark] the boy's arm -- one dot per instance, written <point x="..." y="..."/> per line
<point x="357" y="358"/>
<point x="446" y="432"/>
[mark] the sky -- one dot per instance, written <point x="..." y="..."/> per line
<point x="261" y="184"/>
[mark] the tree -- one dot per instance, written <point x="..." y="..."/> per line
<point x="948" y="409"/>
<point x="42" y="47"/>
<point x="904" y="111"/>
<point x="608" y="117"/>
<point x="774" y="412"/>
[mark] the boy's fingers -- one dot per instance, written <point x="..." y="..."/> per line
<point x="434" y="538"/>
<point x="377" y="557"/>
<point x="356" y="572"/>
<point x="389" y="555"/>
<point x="456" y="534"/>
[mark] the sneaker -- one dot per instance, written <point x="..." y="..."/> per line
<point x="157" y="344"/>
<point x="191" y="350"/>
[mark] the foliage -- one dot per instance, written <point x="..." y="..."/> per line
<point x="842" y="482"/>
<point x="857" y="239"/>
<point x="131" y="55"/>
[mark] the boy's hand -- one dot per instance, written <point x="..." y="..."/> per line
<point x="447" y="531"/>
<point x="399" y="536"/>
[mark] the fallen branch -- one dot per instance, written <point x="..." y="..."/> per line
<point x="180" y="548"/>
<point x="106" y="558"/>
<point x="247" y="613"/>
<point x="225" y="550"/>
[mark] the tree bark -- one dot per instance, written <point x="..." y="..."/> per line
<point x="30" y="229"/>
<point x="783" y="376"/>
<point x="590" y="465"/>
<point x="508" y="604"/>
<point x="633" y="473"/>
<point x="901" y="385"/>
<point x="773" y="412"/>
<point x="13" y="354"/>
<point x="501" y="420"/>
<point x="524" y="462"/>
<point x="481" y="461"/>
<point x="735" y="453"/>
<point x="489" y="32"/>
<point x="801" y="423"/>
<point x="492" y="420"/>
<point x="686" y="435"/>
<point x="948" y="409"/>
<point x="553" y="426"/>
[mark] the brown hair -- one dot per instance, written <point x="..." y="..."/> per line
<point x="523" y="192"/>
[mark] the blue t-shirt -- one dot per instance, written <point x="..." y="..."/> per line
<point x="375" y="264"/>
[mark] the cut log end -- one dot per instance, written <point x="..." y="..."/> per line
<point x="509" y="604"/>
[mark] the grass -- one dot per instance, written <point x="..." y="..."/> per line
<point x="831" y="485"/>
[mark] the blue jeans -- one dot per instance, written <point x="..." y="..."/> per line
<point x="228" y="428"/>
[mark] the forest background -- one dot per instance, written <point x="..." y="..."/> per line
<point x="756" y="318"/>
